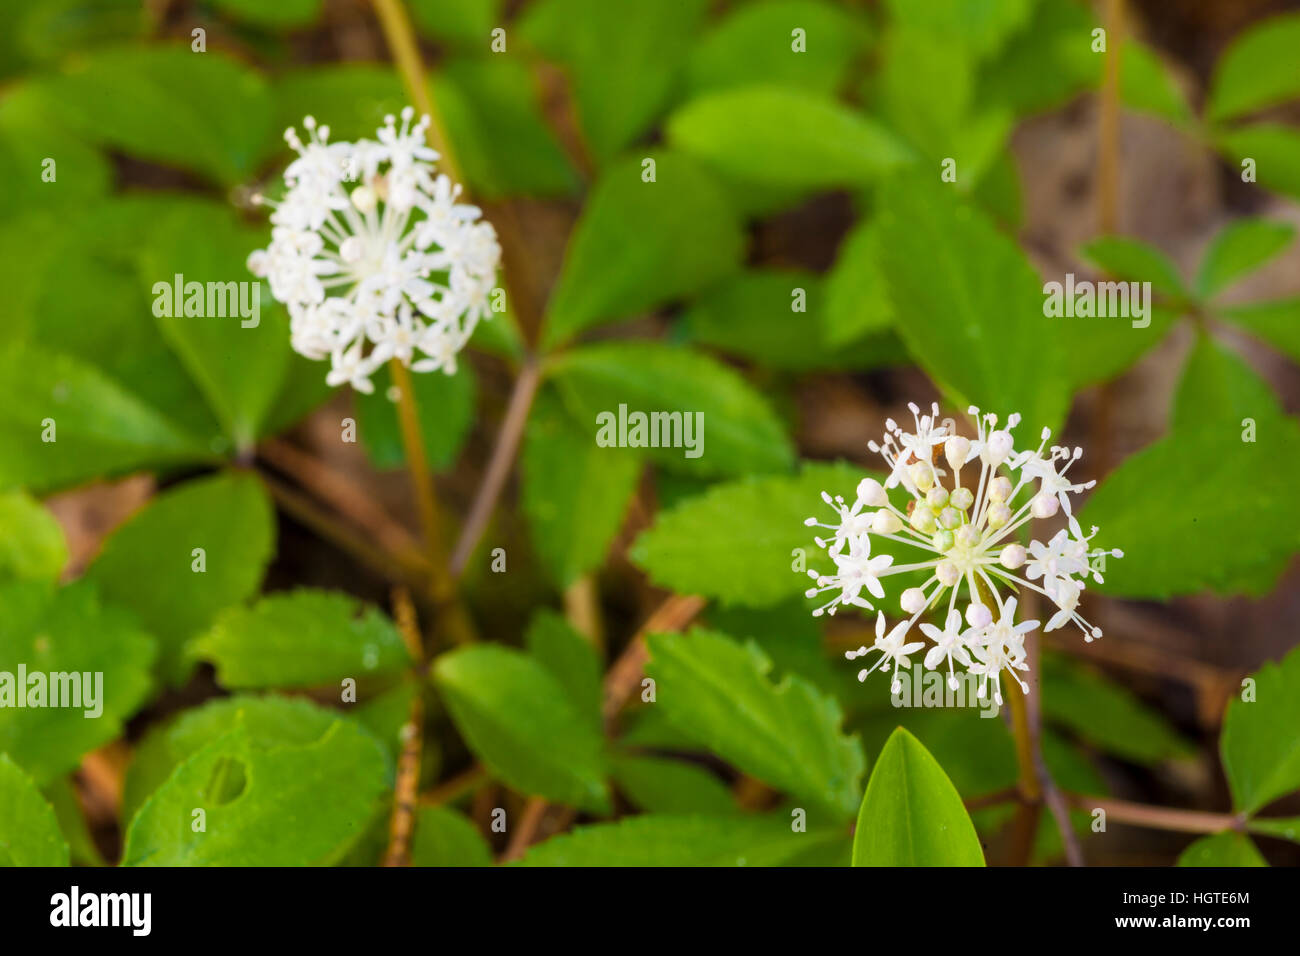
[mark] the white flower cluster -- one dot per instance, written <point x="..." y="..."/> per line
<point x="373" y="255"/>
<point x="963" y="535"/>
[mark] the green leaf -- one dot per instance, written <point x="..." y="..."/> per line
<point x="912" y="815"/>
<point x="62" y="796"/>
<point x="237" y="348"/>
<point x="203" y="112"/>
<point x="753" y="315"/>
<point x="268" y="721"/>
<point x="491" y="110"/>
<point x="1045" y="64"/>
<point x="1101" y="347"/>
<point x="29" y="143"/>
<point x="149" y="564"/>
<point x="31" y="541"/>
<point x="575" y="493"/>
<point x="789" y="735"/>
<point x="99" y="246"/>
<point x="281" y="15"/>
<point x="1222" y="849"/>
<point x="29" y="830"/>
<point x="623" y="60"/>
<point x="1230" y="543"/>
<point x="1274" y="149"/>
<point x="785" y="137"/>
<point x="1136" y="261"/>
<point x="756" y="39"/>
<point x="752" y="528"/>
<point x="1148" y="86"/>
<point x="980" y="28"/>
<point x="94" y="426"/>
<point x="49" y="31"/>
<point x="1261" y="752"/>
<point x="639" y="245"/>
<point x="1257" y="70"/>
<point x="468" y="22"/>
<point x="444" y="837"/>
<point x="1219" y="388"/>
<point x="446" y="406"/>
<point x="676" y="841"/>
<point x="857" y="299"/>
<point x="101" y="659"/>
<point x="726" y="426"/>
<point x="1284" y="828"/>
<point x="302" y="638"/>
<point x="1239" y="249"/>
<point x="571" y="660"/>
<point x="974" y="305"/>
<point x="256" y="800"/>
<point x="518" y="720"/>
<point x="1276" y="322"/>
<point x="352" y="99"/>
<point x="1107" y="715"/>
<point x="660" y="785"/>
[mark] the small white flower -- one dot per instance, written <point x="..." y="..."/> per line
<point x="950" y="643"/>
<point x="1002" y="648"/>
<point x="374" y="256"/>
<point x="855" y="570"/>
<point x="892" y="647"/>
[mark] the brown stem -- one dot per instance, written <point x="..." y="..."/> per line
<point x="400" y="37"/>
<point x="526" y="832"/>
<point x="1159" y="818"/>
<point x="451" y="790"/>
<point x="402" y="823"/>
<point x="343" y="494"/>
<point x="621" y="679"/>
<point x="994" y="799"/>
<point x="407" y="568"/>
<point x="503" y="454"/>
<point x="582" y="608"/>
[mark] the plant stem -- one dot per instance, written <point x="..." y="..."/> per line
<point x="503" y="455"/>
<point x="451" y="790"/>
<point x="406" y="567"/>
<point x="400" y="37"/>
<point x="417" y="465"/>
<point x="621" y="679"/>
<point x="1159" y="818"/>
<point x="402" y="823"/>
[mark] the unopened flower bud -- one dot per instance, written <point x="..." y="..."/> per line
<point x="998" y="514"/>
<point x="937" y="497"/>
<point x="977" y="615"/>
<point x="922" y="475"/>
<point x="999" y="488"/>
<point x="947" y="573"/>
<point x="955" y="450"/>
<point x="961" y="498"/>
<point x="923" y="520"/>
<point x="949" y="518"/>
<point x="886" y="522"/>
<point x="871" y="492"/>
<point x="365" y="199"/>
<point x="967" y="536"/>
<point x="1013" y="556"/>
<point x="912" y="600"/>
<point x="999" y="447"/>
<point x="942" y="540"/>
<point x="1044" y="506"/>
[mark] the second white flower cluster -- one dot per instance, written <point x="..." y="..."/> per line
<point x="374" y="256"/>
<point x="962" y="536"/>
